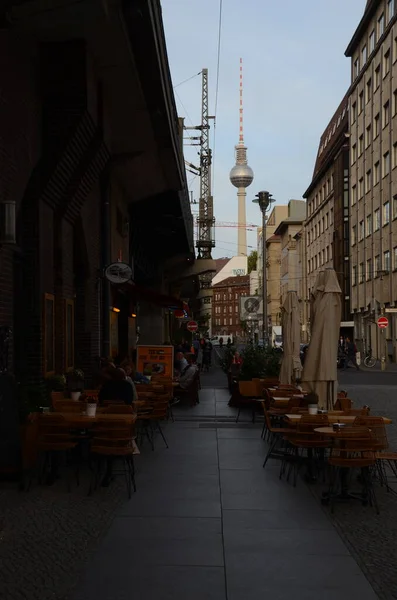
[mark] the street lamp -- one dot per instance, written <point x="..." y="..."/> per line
<point x="264" y="199"/>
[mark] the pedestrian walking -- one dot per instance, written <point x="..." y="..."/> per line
<point x="351" y="352"/>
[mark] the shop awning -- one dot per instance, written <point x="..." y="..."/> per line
<point x="140" y="293"/>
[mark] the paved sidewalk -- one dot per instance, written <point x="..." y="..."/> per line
<point x="207" y="522"/>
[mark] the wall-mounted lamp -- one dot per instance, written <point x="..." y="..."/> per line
<point x="133" y="315"/>
<point x="114" y="309"/>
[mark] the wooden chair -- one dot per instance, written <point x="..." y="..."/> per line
<point x="354" y="448"/>
<point x="305" y="438"/>
<point x="357" y="412"/>
<point x="343" y="403"/>
<point x="112" y="439"/>
<point x="55" y="441"/>
<point x="276" y="435"/>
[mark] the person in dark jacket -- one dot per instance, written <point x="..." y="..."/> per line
<point x="115" y="387"/>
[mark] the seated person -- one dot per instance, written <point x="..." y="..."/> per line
<point x="188" y="374"/>
<point x="180" y="362"/>
<point x="115" y="387"/>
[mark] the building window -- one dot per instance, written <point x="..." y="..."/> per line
<point x="386" y="213"/>
<point x="354" y="112"/>
<point x="360" y="145"/>
<point x="354" y="153"/>
<point x="354" y="194"/>
<point x="354" y="235"/>
<point x="381" y="25"/>
<point x="372" y="41"/>
<point x="367" y="181"/>
<point x="377" y="219"/>
<point x="361" y="102"/>
<point x="395" y="50"/>
<point x="360" y="188"/>
<point x="327" y="254"/>
<point x="69" y="333"/>
<point x="363" y="56"/>
<point x="394" y="155"/>
<point x="356" y="68"/>
<point x="236" y="309"/>
<point x="368" y="225"/>
<point x="376" y="173"/>
<point x="231" y="321"/>
<point x="368" y="136"/>
<point x="386" y="63"/>
<point x="361" y="231"/>
<point x="376" y="125"/>
<point x="361" y="273"/>
<point x="377" y="265"/>
<point x="354" y="275"/>
<point x="395" y="258"/>
<point x="390" y="10"/>
<point x="331" y="216"/>
<point x="394" y="103"/>
<point x="386" y="114"/>
<point x="326" y="220"/>
<point x="395" y="207"/>
<point x="386" y="261"/>
<point x="369" y="269"/>
<point x="49" y="334"/>
<point x="386" y="164"/>
<point x="377" y="78"/>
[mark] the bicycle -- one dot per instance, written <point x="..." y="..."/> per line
<point x="369" y="360"/>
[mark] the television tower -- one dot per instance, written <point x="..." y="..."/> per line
<point x="241" y="177"/>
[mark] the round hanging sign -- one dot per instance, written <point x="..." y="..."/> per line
<point x="118" y="272"/>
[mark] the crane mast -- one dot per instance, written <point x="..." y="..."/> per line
<point x="205" y="241"/>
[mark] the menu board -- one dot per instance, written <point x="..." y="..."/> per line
<point x="155" y="360"/>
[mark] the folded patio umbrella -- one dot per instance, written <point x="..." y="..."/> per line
<point x="320" y="368"/>
<point x="291" y="366"/>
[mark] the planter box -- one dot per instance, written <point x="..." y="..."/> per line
<point x="248" y="388"/>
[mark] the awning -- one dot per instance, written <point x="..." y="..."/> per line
<point x="137" y="292"/>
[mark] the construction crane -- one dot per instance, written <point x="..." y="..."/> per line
<point x="224" y="224"/>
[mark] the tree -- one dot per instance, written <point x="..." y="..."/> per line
<point x="252" y="260"/>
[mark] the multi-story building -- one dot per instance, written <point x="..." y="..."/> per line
<point x="273" y="270"/>
<point x="226" y="305"/>
<point x="373" y="163"/>
<point x="327" y="198"/>
<point x="302" y="286"/>
<point x="287" y="230"/>
<point x="278" y="214"/>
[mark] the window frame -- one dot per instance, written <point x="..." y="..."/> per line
<point x="48" y="298"/>
<point x="69" y="303"/>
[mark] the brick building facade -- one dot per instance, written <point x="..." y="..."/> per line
<point x="226" y="305"/>
<point x="83" y="154"/>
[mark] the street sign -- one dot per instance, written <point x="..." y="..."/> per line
<point x="118" y="272"/>
<point x="192" y="326"/>
<point x="383" y="322"/>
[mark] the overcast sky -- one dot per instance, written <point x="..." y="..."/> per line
<point x="295" y="75"/>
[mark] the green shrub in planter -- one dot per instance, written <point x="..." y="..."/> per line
<point x="259" y="362"/>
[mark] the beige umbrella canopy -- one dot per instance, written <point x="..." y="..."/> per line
<point x="291" y="366"/>
<point x="320" y="368"/>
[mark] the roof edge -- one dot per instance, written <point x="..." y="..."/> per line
<point x="370" y="8"/>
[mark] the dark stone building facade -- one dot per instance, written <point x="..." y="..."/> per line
<point x="90" y="153"/>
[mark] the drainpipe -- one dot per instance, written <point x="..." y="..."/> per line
<point x="105" y="257"/>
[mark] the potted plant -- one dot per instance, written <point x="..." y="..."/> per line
<point x="75" y="383"/>
<point x="258" y="363"/>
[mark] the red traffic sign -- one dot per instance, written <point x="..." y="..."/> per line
<point x="192" y="326"/>
<point x="383" y="322"/>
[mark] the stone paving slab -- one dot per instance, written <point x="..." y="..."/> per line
<point x="202" y="536"/>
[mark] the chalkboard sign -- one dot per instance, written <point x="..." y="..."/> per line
<point x="10" y="444"/>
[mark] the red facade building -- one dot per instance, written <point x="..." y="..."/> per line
<point x="226" y="305"/>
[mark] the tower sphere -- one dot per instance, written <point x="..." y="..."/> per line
<point x="241" y="176"/>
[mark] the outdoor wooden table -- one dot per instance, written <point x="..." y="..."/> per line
<point x="334" y="418"/>
<point x="76" y="419"/>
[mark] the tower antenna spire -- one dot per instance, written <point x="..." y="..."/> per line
<point x="241" y="137"/>
<point x="241" y="176"/>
